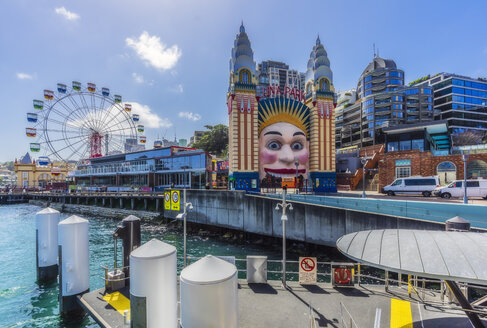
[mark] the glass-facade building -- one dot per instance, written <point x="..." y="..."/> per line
<point x="153" y="169"/>
<point x="460" y="100"/>
<point x="382" y="101"/>
<point x="273" y="73"/>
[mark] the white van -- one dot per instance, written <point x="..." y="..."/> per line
<point x="413" y="185"/>
<point x="475" y="188"/>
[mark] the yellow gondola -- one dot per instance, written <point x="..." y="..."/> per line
<point x="30" y="132"/>
<point x="128" y="107"/>
<point x="91" y="87"/>
<point x="48" y="94"/>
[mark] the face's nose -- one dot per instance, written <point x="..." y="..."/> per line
<point x="286" y="155"/>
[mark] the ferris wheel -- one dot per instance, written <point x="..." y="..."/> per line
<point x="76" y="123"/>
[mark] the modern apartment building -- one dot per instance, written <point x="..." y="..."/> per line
<point x="460" y="100"/>
<point x="382" y="101"/>
<point x="273" y="73"/>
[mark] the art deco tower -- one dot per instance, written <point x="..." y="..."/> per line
<point x="242" y="114"/>
<point x="320" y="98"/>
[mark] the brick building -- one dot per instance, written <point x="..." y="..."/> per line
<point x="426" y="164"/>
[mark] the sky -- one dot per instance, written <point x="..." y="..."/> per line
<point x="170" y="59"/>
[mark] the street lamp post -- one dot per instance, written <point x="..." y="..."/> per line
<point x="183" y="216"/>
<point x="363" y="160"/>
<point x="296" y="162"/>
<point x="465" y="159"/>
<point x="284" y="206"/>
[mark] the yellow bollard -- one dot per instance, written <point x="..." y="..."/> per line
<point x="409" y="285"/>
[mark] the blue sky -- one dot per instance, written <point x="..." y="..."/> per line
<point x="171" y="57"/>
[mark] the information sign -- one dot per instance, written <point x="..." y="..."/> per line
<point x="307" y="270"/>
<point x="167" y="200"/>
<point x="175" y="200"/>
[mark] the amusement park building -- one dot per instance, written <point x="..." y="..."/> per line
<point x="147" y="170"/>
<point x="262" y="157"/>
<point x="32" y="175"/>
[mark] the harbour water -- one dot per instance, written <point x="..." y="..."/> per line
<point x="23" y="303"/>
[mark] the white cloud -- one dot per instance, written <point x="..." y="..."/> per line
<point x="177" y="89"/>
<point x="69" y="15"/>
<point x="154" y="52"/>
<point x="148" y="118"/>
<point x="190" y="116"/>
<point x="138" y="78"/>
<point x="24" y="76"/>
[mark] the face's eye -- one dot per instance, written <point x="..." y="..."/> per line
<point x="274" y="145"/>
<point x="296" y="146"/>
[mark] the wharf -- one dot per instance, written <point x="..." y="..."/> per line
<point x="271" y="305"/>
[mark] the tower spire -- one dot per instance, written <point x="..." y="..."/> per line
<point x="242" y="28"/>
<point x="318" y="41"/>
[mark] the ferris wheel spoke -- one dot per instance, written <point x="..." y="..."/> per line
<point x="117" y="130"/>
<point x="116" y="123"/>
<point x="64" y="139"/>
<point x="86" y="110"/>
<point x="66" y="147"/>
<point x="76" y="151"/>
<point x="79" y="110"/>
<point x="71" y="111"/>
<point x="109" y="113"/>
<point x="51" y="120"/>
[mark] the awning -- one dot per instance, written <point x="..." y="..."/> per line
<point x="446" y="255"/>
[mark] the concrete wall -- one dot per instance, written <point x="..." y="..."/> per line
<point x="311" y="223"/>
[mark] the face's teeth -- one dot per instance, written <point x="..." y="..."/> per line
<point x="279" y="175"/>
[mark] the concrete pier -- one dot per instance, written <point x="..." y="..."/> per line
<point x="270" y="305"/>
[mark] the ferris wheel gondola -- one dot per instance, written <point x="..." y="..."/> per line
<point x="73" y="124"/>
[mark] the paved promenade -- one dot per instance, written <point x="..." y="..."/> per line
<point x="271" y="305"/>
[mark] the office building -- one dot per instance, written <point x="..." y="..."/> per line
<point x="460" y="100"/>
<point x="382" y="101"/>
<point x="273" y="73"/>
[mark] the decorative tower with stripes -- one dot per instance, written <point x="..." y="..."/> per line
<point x="320" y="98"/>
<point x="242" y="103"/>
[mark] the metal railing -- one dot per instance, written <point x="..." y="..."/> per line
<point x="347" y="320"/>
<point x="402" y="208"/>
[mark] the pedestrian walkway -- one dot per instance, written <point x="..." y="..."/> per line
<point x="271" y="305"/>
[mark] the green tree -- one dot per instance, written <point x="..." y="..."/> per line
<point x="215" y="140"/>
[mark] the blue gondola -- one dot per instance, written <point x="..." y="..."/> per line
<point x="61" y="88"/>
<point x="157" y="143"/>
<point x="43" y="160"/>
<point x="32" y="117"/>
<point x="105" y="92"/>
<point x="135" y="117"/>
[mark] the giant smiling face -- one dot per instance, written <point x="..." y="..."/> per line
<point x="280" y="146"/>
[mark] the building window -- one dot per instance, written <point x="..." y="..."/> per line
<point x="393" y="146"/>
<point x="324" y="85"/>
<point x="403" y="162"/>
<point x="418" y="144"/>
<point x="405" y="145"/>
<point x="403" y="172"/>
<point x="244" y="76"/>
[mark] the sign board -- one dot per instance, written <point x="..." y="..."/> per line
<point x="167" y="200"/>
<point x="175" y="200"/>
<point x="289" y="182"/>
<point x="307" y="270"/>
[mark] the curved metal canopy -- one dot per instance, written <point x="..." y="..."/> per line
<point x="447" y="255"/>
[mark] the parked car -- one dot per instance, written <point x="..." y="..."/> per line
<point x="413" y="186"/>
<point x="475" y="188"/>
